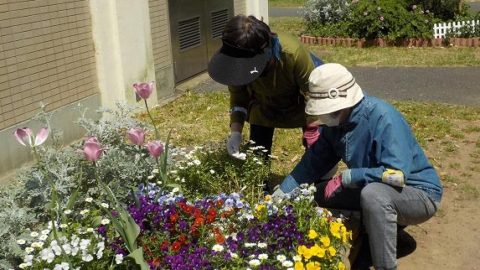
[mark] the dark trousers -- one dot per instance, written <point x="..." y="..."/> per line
<point x="263" y="136"/>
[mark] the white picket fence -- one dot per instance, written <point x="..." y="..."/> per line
<point x="441" y="29"/>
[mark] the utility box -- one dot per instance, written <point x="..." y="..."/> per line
<point x="196" y="32"/>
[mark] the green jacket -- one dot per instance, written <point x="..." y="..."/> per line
<point x="276" y="100"/>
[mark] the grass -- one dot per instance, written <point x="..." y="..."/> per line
<point x="286" y="3"/>
<point x="389" y="56"/>
<point x="200" y="119"/>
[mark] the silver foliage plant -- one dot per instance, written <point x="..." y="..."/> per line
<point x="326" y="11"/>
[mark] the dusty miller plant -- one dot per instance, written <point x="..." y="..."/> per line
<point x="326" y="11"/>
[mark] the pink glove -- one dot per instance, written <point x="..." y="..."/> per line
<point x="334" y="185"/>
<point x="311" y="135"/>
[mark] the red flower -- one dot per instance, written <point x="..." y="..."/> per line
<point x="176" y="246"/>
<point x="219" y="238"/>
<point x="220" y="203"/>
<point x="211" y="215"/>
<point x="174" y="218"/>
<point x="182" y="238"/>
<point x="164" y="245"/>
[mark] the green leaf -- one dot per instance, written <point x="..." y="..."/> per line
<point x="137" y="256"/>
<point x="72" y="199"/>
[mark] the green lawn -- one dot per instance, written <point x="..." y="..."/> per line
<point x="286" y="3"/>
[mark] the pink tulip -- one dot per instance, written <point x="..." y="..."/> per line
<point x="92" y="149"/>
<point x="25" y="136"/>
<point x="144" y="90"/>
<point x="136" y="136"/>
<point x="155" y="148"/>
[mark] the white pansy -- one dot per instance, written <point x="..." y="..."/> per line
<point x="22" y="265"/>
<point x="57" y="250"/>
<point x="43" y="237"/>
<point x="212" y="171"/>
<point x="197" y="162"/>
<point x="99" y="254"/>
<point x="67" y="248"/>
<point x="62" y="266"/>
<point x="217" y="248"/>
<point x="67" y="212"/>
<point x="28" y="250"/>
<point x="34" y="234"/>
<point x="155" y="171"/>
<point x="290" y="268"/>
<point x="234" y="255"/>
<point x="281" y="258"/>
<point x="175" y="190"/>
<point x="118" y="258"/>
<point x="150" y="177"/>
<point x="104" y="205"/>
<point x="90" y="230"/>
<point x="89" y="199"/>
<point x="28" y="259"/>
<point x="75" y="251"/>
<point x="262" y="245"/>
<point x="287" y="263"/>
<point x="297" y="258"/>
<point x="254" y="262"/>
<point x="105" y="221"/>
<point x="84" y="212"/>
<point x="21" y="241"/>
<point x="63" y="225"/>
<point x="87" y="258"/>
<point x="263" y="256"/>
<point x="250" y="244"/>
<point x="45" y="232"/>
<point x="84" y="244"/>
<point x="47" y="255"/>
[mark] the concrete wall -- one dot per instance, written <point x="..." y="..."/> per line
<point x="240" y="7"/>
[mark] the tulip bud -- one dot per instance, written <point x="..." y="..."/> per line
<point x="25" y="136"/>
<point x="136" y="136"/>
<point x="155" y="148"/>
<point x="92" y="149"/>
<point x="144" y="90"/>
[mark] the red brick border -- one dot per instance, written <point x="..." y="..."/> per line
<point x="414" y="42"/>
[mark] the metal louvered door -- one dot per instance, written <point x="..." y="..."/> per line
<point x="196" y="30"/>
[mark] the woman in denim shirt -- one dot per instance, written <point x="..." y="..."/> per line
<point x="388" y="176"/>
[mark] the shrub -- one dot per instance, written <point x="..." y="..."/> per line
<point x="442" y="9"/>
<point x="389" y="19"/>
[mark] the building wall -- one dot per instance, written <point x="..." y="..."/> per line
<point x="240" y="7"/>
<point x="46" y="55"/>
<point x="162" y="49"/>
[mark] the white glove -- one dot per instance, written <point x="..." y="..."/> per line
<point x="233" y="145"/>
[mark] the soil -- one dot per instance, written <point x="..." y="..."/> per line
<point x="451" y="239"/>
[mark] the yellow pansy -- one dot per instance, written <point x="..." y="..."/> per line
<point x="260" y="207"/>
<point x="268" y="198"/>
<point x="301" y="250"/>
<point x="325" y="241"/>
<point x="318" y="251"/>
<point x="335" y="229"/>
<point x="308" y="254"/>
<point x="312" y="234"/>
<point x="299" y="266"/>
<point x="341" y="266"/>
<point x="313" y="266"/>
<point x="332" y="251"/>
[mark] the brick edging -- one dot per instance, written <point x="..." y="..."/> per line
<point x="413" y="42"/>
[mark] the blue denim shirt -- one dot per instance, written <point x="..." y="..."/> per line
<point x="374" y="138"/>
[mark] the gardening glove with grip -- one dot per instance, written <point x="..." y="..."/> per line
<point x="311" y="135"/>
<point x="333" y="186"/>
<point x="278" y="193"/>
<point x="233" y="145"/>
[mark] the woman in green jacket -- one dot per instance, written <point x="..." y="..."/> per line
<point x="267" y="76"/>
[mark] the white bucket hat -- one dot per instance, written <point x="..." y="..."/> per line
<point x="331" y="88"/>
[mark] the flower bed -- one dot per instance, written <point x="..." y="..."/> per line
<point x="124" y="199"/>
<point x="412" y="42"/>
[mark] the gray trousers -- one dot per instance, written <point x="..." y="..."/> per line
<point x="382" y="207"/>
